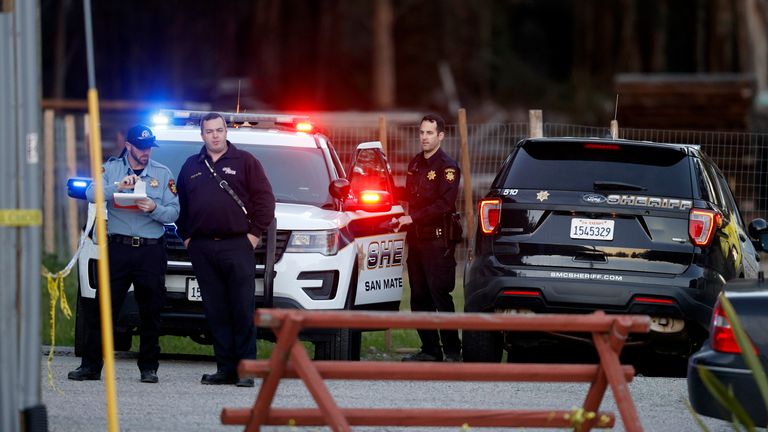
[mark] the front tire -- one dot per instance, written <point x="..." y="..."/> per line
<point x="482" y="346"/>
<point x="342" y="344"/>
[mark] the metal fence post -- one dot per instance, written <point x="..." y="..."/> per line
<point x="9" y="417"/>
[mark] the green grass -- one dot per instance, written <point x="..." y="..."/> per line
<point x="375" y="345"/>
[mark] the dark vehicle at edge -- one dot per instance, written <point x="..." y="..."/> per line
<point x="575" y="225"/>
<point x="722" y="356"/>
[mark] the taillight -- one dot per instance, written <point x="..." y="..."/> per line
<point x="723" y="339"/>
<point x="490" y="212"/>
<point x="702" y="225"/>
<point x="721" y="333"/>
<point x="594" y="146"/>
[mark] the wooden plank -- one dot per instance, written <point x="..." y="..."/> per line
<point x="419" y="417"/>
<point x="430" y="371"/>
<point x="535" y="124"/>
<point x="595" y="322"/>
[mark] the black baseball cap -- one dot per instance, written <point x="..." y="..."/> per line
<point x="141" y="137"/>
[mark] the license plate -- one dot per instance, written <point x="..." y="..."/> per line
<point x="592" y="229"/>
<point x="193" y="290"/>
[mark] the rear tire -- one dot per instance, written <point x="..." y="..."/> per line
<point x="342" y="344"/>
<point x="123" y="340"/>
<point x="482" y="346"/>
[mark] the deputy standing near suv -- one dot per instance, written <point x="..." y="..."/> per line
<point x="226" y="204"/>
<point x="136" y="249"/>
<point x="432" y="186"/>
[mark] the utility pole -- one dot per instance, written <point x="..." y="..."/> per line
<point x="20" y="218"/>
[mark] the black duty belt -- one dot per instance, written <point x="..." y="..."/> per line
<point x="429" y="232"/>
<point x="134" y="241"/>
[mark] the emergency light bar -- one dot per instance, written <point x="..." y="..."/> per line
<point x="236" y="120"/>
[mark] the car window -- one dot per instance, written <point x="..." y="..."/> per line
<point x="718" y="197"/>
<point x="707" y="190"/>
<point x="570" y="165"/>
<point x="730" y="202"/>
<point x="298" y="175"/>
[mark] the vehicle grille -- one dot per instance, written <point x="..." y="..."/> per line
<point x="177" y="252"/>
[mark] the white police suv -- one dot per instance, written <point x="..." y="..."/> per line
<point x="332" y="246"/>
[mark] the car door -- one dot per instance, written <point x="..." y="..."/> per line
<point x="380" y="249"/>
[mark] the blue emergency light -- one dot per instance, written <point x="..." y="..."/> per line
<point x="76" y="187"/>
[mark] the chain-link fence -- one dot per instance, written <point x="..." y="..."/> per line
<point x="743" y="157"/>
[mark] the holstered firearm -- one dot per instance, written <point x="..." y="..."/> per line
<point x="452" y="230"/>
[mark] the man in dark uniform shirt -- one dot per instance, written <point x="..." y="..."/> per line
<point x="221" y="228"/>
<point x="432" y="186"/>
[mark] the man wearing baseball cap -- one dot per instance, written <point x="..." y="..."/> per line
<point x="136" y="249"/>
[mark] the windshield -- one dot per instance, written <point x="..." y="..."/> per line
<point x="297" y="175"/>
<point x="596" y="167"/>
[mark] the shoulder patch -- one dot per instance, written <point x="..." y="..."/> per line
<point x="172" y="186"/>
<point x="450" y="174"/>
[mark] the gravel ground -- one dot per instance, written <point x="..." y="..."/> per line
<point x="180" y="403"/>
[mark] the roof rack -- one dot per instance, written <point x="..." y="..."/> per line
<point x="237" y="120"/>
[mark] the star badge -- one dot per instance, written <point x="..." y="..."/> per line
<point x="154" y="183"/>
<point x="542" y="196"/>
<point x="431" y="175"/>
<point x="450" y="175"/>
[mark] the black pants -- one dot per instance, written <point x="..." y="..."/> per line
<point x="226" y="272"/>
<point x="432" y="276"/>
<point x="144" y="267"/>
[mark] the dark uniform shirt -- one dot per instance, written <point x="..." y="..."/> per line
<point x="207" y="210"/>
<point x="432" y="186"/>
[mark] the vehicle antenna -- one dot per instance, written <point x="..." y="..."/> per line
<point x="616" y="107"/>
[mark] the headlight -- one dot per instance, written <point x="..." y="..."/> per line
<point x="325" y="242"/>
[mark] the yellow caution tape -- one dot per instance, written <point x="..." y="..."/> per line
<point x="56" y="292"/>
<point x="21" y="217"/>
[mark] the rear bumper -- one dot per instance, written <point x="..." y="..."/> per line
<point x="730" y="371"/>
<point x="565" y="290"/>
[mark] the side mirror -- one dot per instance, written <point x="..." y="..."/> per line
<point x="76" y="187"/>
<point x="758" y="229"/>
<point x="373" y="201"/>
<point x="339" y="189"/>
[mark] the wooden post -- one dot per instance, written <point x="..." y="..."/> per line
<point x="615" y="129"/>
<point x="535" y="124"/>
<point x="383" y="141"/>
<point x="73" y="224"/>
<point x="469" y="207"/>
<point x="383" y="133"/>
<point x="49" y="175"/>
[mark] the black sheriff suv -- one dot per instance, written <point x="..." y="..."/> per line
<point x="574" y="225"/>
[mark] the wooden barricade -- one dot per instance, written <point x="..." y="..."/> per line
<point x="290" y="360"/>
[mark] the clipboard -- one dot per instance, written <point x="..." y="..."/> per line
<point x="128" y="199"/>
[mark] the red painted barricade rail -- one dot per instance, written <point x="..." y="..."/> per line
<point x="290" y="360"/>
